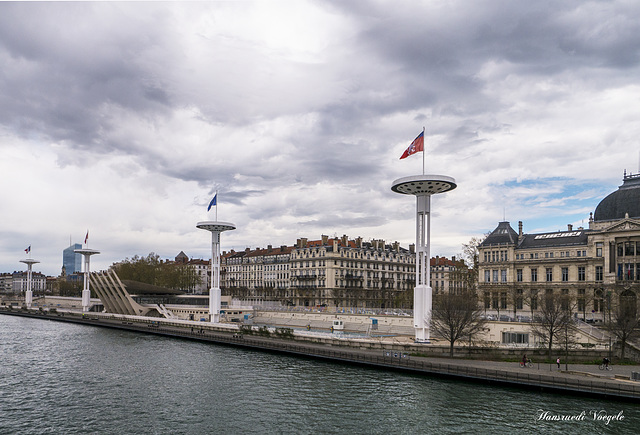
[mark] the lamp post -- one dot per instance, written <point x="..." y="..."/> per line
<point x="215" y="297"/>
<point x="423" y="187"/>
<point x="86" y="293"/>
<point x="28" y="295"/>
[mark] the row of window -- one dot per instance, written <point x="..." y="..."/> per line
<point x="552" y="254"/>
<point x="501" y="275"/>
<point x="628" y="249"/>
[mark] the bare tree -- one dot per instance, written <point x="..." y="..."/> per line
<point x="470" y="250"/>
<point x="624" y="321"/>
<point x="555" y="319"/>
<point x="515" y="297"/>
<point x="456" y="316"/>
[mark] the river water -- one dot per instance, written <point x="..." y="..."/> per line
<point x="62" y="378"/>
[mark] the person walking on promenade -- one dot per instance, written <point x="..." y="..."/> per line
<point x="558" y="362"/>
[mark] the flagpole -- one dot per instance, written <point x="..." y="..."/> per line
<point x="216" y="205"/>
<point x="424" y="139"/>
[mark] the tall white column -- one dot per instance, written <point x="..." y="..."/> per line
<point x="423" y="186"/>
<point x="28" y="294"/>
<point x="422" y="294"/>
<point x="86" y="292"/>
<point x="215" y="294"/>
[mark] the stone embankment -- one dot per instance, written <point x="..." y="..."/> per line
<point x="375" y="353"/>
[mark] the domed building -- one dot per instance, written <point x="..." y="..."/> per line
<point x="597" y="269"/>
<point x="621" y="204"/>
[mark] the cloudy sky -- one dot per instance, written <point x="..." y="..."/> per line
<point x="124" y="119"/>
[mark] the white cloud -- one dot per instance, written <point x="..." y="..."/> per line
<point x="125" y="118"/>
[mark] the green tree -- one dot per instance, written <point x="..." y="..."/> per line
<point x="151" y="270"/>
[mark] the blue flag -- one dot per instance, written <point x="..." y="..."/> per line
<point x="213" y="202"/>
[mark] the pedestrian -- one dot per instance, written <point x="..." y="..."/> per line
<point x="558" y="362"/>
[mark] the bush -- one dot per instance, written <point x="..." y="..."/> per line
<point x="284" y="333"/>
<point x="245" y="330"/>
<point x="264" y="331"/>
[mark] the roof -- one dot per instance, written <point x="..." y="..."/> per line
<point x="502" y="235"/>
<point x="625" y="200"/>
<point x="441" y="261"/>
<point x="554" y="240"/>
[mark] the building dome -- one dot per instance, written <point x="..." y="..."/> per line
<point x="625" y="200"/>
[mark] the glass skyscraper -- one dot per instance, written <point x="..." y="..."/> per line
<point x="72" y="261"/>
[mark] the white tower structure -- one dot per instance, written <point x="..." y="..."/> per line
<point x="28" y="295"/>
<point x="215" y="228"/>
<point x="423" y="186"/>
<point x="86" y="293"/>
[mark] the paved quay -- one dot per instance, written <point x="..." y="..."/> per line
<point x="582" y="379"/>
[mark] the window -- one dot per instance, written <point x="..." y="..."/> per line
<point x="515" y="338"/>
<point x="581" y="273"/>
<point x="628" y="271"/>
<point x="487" y="300"/>
<point x="598" y="301"/>
<point x="519" y="275"/>
<point x="565" y="274"/>
<point x="565" y="299"/>
<point x="519" y="299"/>
<point x="503" y="275"/>
<point x="534" y="275"/>
<point x="495" y="276"/>
<point x="581" y="253"/>
<point x="629" y="248"/>
<point x="503" y="300"/>
<point x="581" y="299"/>
<point x="598" y="249"/>
<point x="549" y="271"/>
<point x="534" y="299"/>
<point x="487" y="276"/>
<point x="598" y="273"/>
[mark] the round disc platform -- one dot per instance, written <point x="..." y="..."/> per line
<point x="86" y="251"/>
<point x="29" y="261"/>
<point x="424" y="184"/>
<point x="215" y="226"/>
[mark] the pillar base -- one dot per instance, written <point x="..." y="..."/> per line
<point x="86" y="300"/>
<point x="215" y="296"/>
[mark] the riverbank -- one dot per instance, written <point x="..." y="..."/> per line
<point x="388" y="353"/>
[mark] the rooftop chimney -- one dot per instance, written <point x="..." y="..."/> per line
<point x="570" y="227"/>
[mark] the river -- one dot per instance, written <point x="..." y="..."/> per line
<point x="62" y="378"/>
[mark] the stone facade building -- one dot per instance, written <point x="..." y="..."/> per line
<point x="335" y="272"/>
<point x="596" y="267"/>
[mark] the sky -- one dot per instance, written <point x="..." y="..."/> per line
<point x="123" y="120"/>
